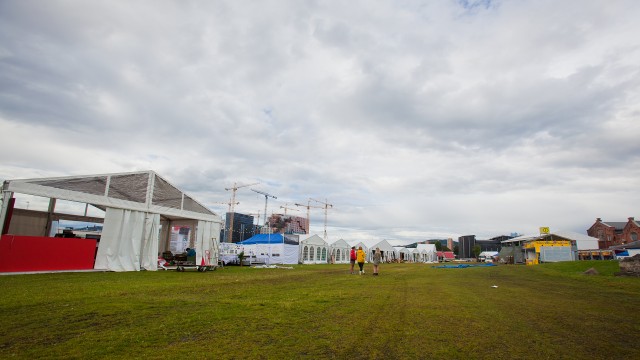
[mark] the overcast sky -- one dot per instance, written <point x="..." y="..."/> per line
<point x="414" y="119"/>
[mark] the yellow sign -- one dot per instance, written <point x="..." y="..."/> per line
<point x="544" y="230"/>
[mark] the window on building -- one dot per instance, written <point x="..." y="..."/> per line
<point x="324" y="254"/>
<point x="305" y="253"/>
<point x="311" y="253"/>
<point x="318" y="253"/>
<point x="338" y="255"/>
<point x="634" y="236"/>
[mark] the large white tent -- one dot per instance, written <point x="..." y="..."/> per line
<point x="136" y="206"/>
<point x="313" y="250"/>
<point x="339" y="251"/>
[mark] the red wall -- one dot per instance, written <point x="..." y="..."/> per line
<point x="35" y="253"/>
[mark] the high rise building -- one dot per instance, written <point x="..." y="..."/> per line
<point x="465" y="246"/>
<point x="243" y="227"/>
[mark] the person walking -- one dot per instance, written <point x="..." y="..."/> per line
<point x="377" y="258"/>
<point x="360" y="256"/>
<point x="352" y="257"/>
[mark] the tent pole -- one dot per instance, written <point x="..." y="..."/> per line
<point x="52" y="206"/>
<point x="6" y="198"/>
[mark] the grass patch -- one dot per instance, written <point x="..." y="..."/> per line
<point x="320" y="311"/>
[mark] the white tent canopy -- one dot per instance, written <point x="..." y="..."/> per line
<point x="313" y="250"/>
<point x="339" y="250"/>
<point x="416" y="255"/>
<point x="428" y="252"/>
<point x="403" y="253"/>
<point x="135" y="204"/>
<point x="370" y="245"/>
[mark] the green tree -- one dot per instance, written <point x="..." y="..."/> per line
<point x="476" y="250"/>
<point x="456" y="249"/>
<point x="438" y="245"/>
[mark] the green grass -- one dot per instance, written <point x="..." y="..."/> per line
<point x="411" y="311"/>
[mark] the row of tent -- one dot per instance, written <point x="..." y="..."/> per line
<point x="279" y="249"/>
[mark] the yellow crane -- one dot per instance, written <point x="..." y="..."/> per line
<point x="231" y="207"/>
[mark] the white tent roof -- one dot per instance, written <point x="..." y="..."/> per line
<point x="140" y="191"/>
<point x="340" y="243"/>
<point x="426" y="248"/>
<point x="383" y="245"/>
<point x="402" y="249"/>
<point x="313" y="240"/>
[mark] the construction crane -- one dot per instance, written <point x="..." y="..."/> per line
<point x="226" y="203"/>
<point x="266" y="198"/>
<point x="232" y="203"/>
<point x="309" y="206"/>
<point x="326" y="207"/>
<point x="287" y="208"/>
<point x="229" y="204"/>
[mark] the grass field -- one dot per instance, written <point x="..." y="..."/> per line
<point x="411" y="311"/>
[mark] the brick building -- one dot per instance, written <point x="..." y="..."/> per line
<point x="614" y="233"/>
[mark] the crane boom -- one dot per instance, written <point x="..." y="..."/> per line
<point x="231" y="207"/>
<point x="266" y="198"/>
<point x="287" y="208"/>
<point x="326" y="207"/>
<point x="309" y="206"/>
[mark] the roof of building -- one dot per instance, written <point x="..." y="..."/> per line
<point x="615" y="224"/>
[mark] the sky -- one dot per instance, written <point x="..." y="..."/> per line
<point x="412" y="119"/>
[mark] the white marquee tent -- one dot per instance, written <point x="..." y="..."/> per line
<point x="403" y="253"/>
<point x="313" y="250"/>
<point x="339" y="250"/>
<point x="428" y="253"/>
<point x="136" y="205"/>
<point x="369" y="246"/>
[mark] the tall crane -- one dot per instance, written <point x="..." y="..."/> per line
<point x="309" y="206"/>
<point x="326" y="207"/>
<point x="232" y="203"/>
<point x="287" y="208"/>
<point x="266" y="199"/>
<point x="226" y="231"/>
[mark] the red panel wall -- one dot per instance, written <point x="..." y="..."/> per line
<point x="35" y="253"/>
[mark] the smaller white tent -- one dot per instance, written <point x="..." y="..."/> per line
<point x="313" y="250"/>
<point x="402" y="253"/>
<point x="271" y="249"/>
<point x="370" y="245"/>
<point x="428" y="252"/>
<point x="339" y="251"/>
<point x="416" y="255"/>
<point x="388" y="252"/>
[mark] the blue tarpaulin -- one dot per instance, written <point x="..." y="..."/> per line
<point x="462" y="266"/>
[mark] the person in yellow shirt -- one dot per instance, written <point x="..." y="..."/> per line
<point x="360" y="256"/>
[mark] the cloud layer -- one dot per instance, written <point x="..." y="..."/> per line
<point x="414" y="120"/>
